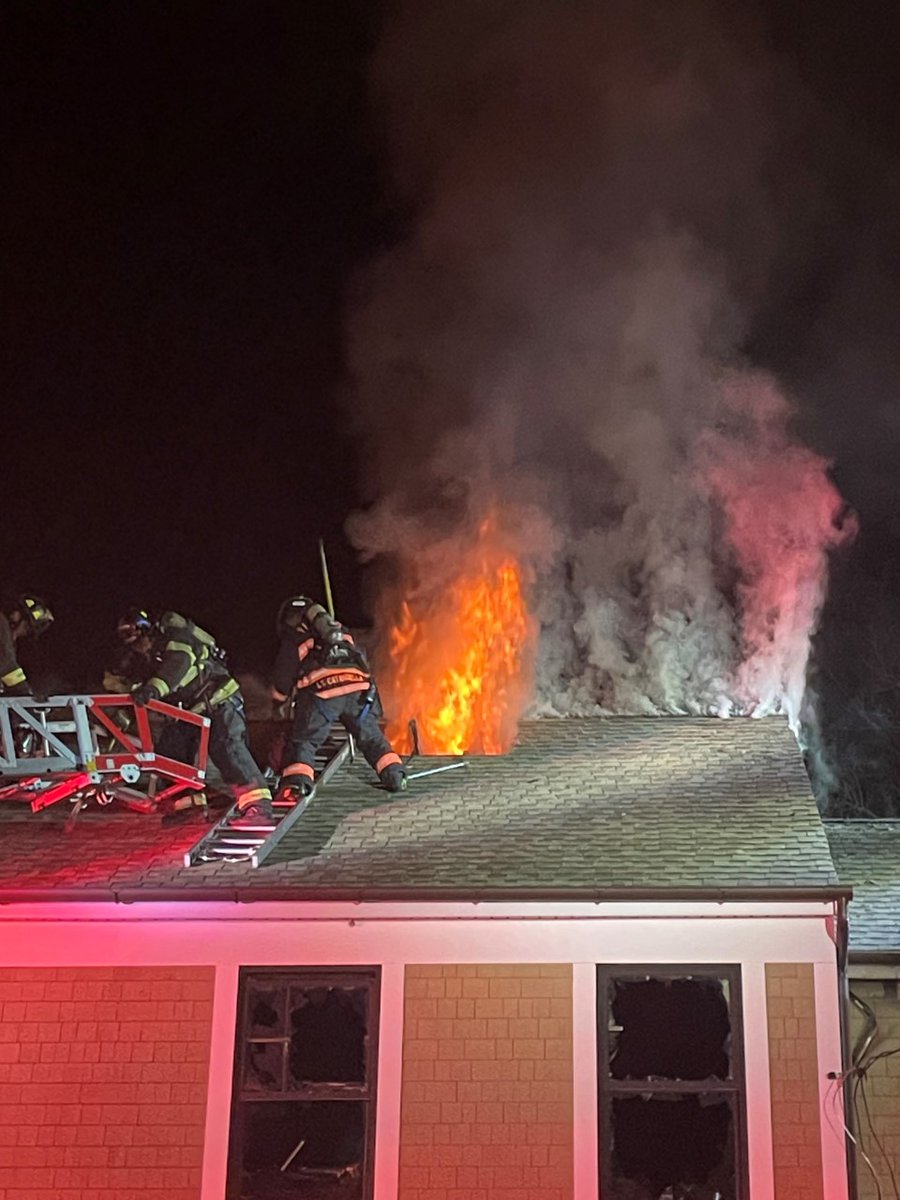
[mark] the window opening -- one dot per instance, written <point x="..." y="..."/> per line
<point x="670" y="1028"/>
<point x="302" y="1126"/>
<point x="671" y="1084"/>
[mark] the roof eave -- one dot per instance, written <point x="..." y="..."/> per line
<point x="425" y="895"/>
<point x="874" y="957"/>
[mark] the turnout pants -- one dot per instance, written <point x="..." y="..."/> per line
<point x="313" y="719"/>
<point x="230" y="751"/>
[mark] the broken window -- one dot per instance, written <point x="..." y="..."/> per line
<point x="671" y="1083"/>
<point x="304" y="1086"/>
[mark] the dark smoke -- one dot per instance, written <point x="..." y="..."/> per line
<point x="598" y="200"/>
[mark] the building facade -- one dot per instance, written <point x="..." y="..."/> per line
<point x="604" y="967"/>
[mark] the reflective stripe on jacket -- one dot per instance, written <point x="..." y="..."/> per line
<point x="333" y="670"/>
<point x="191" y="669"/>
<point x="12" y="677"/>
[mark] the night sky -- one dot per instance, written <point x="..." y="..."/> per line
<point x="186" y="188"/>
<point x="188" y="191"/>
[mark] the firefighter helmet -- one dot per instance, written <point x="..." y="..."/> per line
<point x="133" y="624"/>
<point x="292" y="614"/>
<point x="34" y="613"/>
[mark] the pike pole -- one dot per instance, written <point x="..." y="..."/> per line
<point x="326" y="579"/>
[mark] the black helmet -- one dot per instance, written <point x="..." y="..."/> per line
<point x="34" y="613"/>
<point x="132" y="624"/>
<point x="292" y="613"/>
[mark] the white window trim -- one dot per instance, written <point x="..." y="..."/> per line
<point x="221" y="1071"/>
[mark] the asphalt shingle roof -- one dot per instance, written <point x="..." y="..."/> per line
<point x="597" y="804"/>
<point x="867" y="856"/>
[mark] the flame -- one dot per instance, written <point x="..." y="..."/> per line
<point x="461" y="661"/>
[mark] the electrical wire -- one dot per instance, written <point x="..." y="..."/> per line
<point x="863" y="1062"/>
<point x="836" y="1122"/>
<point x="876" y="1138"/>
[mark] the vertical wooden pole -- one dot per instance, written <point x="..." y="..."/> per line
<point x="329" y="599"/>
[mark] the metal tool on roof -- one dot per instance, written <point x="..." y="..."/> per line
<point x="253" y="844"/>
<point x="437" y="770"/>
<point x="416" y="752"/>
<point x="414" y="739"/>
<point x="83" y="748"/>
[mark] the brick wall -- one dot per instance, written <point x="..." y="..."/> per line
<point x="103" y="1075"/>
<point x="794" y="1074"/>
<point x="881" y="1087"/>
<point x="487" y="1083"/>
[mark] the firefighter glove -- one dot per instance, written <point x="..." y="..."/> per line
<point x="144" y="694"/>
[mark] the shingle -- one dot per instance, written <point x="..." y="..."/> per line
<point x="590" y="803"/>
<point x="867" y="856"/>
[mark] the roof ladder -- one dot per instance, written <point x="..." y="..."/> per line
<point x="253" y="844"/>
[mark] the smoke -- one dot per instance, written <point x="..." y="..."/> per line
<point x="595" y="198"/>
<point x="781" y="517"/>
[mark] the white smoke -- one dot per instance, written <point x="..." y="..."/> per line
<point x="596" y="194"/>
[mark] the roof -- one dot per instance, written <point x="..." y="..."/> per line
<point x="580" y="807"/>
<point x="867" y="855"/>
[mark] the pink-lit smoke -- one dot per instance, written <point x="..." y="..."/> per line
<point x="595" y="195"/>
<point x="781" y="516"/>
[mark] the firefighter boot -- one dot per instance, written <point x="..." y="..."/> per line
<point x="184" y="805"/>
<point x="256" y="811"/>
<point x="394" y="778"/>
<point x="252" y="816"/>
<point x="295" y="789"/>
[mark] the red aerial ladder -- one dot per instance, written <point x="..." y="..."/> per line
<point x="101" y="748"/>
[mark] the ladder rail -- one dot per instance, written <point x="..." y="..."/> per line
<point x="284" y="826"/>
<point x="255" y="844"/>
<point x="63" y="769"/>
<point x="31" y="715"/>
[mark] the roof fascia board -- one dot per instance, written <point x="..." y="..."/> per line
<point x="874" y="964"/>
<point x="257" y="894"/>
<point x="227" y="909"/>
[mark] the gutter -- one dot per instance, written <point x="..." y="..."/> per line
<point x="879" y="958"/>
<point x="420" y="895"/>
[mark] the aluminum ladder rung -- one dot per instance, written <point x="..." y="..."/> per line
<point x="226" y="841"/>
<point x="258" y="834"/>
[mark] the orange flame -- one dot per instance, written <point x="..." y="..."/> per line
<point x="461" y="663"/>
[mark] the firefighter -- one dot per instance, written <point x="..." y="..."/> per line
<point x="127" y="670"/>
<point x="318" y="657"/>
<point x="187" y="668"/>
<point x="22" y="616"/>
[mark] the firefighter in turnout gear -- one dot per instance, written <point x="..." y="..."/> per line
<point x="317" y="657"/>
<point x="187" y="668"/>
<point x="22" y="616"/>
